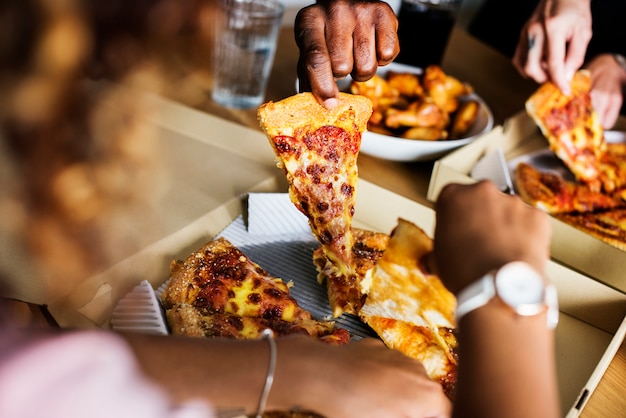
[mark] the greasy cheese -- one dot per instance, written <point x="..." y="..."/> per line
<point x="219" y="292"/>
<point x="409" y="308"/>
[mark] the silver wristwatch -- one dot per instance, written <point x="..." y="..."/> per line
<point x="516" y="284"/>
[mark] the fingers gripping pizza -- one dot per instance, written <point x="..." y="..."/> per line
<point x="575" y="134"/>
<point x="381" y="278"/>
<point x="318" y="148"/>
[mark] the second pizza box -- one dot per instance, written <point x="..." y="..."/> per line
<point x="519" y="137"/>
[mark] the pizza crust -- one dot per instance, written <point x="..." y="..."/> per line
<point x="303" y="111"/>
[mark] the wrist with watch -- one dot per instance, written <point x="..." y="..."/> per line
<point x="519" y="286"/>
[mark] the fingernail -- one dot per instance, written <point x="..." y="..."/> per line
<point x="331" y="103"/>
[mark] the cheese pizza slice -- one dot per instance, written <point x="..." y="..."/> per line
<point x="553" y="194"/>
<point x="318" y="148"/>
<point x="409" y="307"/>
<point x="219" y="292"/>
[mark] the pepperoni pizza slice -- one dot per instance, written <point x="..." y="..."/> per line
<point x="575" y="134"/>
<point x="217" y="291"/>
<point x="317" y="148"/>
<point x="571" y="126"/>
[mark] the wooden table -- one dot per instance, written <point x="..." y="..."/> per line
<point x="493" y="78"/>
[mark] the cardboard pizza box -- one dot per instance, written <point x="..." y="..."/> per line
<point x="592" y="313"/>
<point x="520" y="137"/>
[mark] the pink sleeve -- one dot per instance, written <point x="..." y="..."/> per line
<point x="83" y="374"/>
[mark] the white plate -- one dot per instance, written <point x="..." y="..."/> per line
<point x="400" y="149"/>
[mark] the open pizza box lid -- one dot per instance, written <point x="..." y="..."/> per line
<point x="207" y="196"/>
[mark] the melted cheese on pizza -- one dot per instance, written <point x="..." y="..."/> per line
<point x="345" y="293"/>
<point x="184" y="319"/>
<point x="219" y="291"/>
<point x="409" y="307"/>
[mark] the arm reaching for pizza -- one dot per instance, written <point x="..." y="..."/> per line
<point x="507" y="361"/>
<point x="341" y="37"/>
<point x="553" y="42"/>
<point x="159" y="375"/>
<point x="363" y="379"/>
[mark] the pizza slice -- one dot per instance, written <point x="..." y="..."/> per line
<point x="575" y="134"/>
<point x="344" y="292"/>
<point x="318" y="148"/>
<point x="553" y="194"/>
<point x="571" y="126"/>
<point x="219" y="292"/>
<point x="409" y="307"/>
<point x="608" y="226"/>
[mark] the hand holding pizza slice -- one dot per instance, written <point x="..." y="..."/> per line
<point x="575" y="134"/>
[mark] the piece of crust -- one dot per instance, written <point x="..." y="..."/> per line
<point x="409" y="307"/>
<point x="345" y="294"/>
<point x="303" y="111"/>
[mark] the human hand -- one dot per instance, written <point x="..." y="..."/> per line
<point x="362" y="379"/>
<point x="480" y="229"/>
<point x="607" y="81"/>
<point x="341" y="37"/>
<point x="554" y="41"/>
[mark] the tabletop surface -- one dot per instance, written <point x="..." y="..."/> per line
<point x="493" y="77"/>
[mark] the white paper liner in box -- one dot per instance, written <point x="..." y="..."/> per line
<point x="279" y="239"/>
<point x="139" y="311"/>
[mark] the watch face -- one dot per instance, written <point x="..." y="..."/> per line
<point x="519" y="286"/>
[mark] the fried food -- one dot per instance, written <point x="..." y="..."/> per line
<point x="426" y="107"/>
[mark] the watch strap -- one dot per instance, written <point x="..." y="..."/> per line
<point x="475" y="295"/>
<point x="483" y="290"/>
